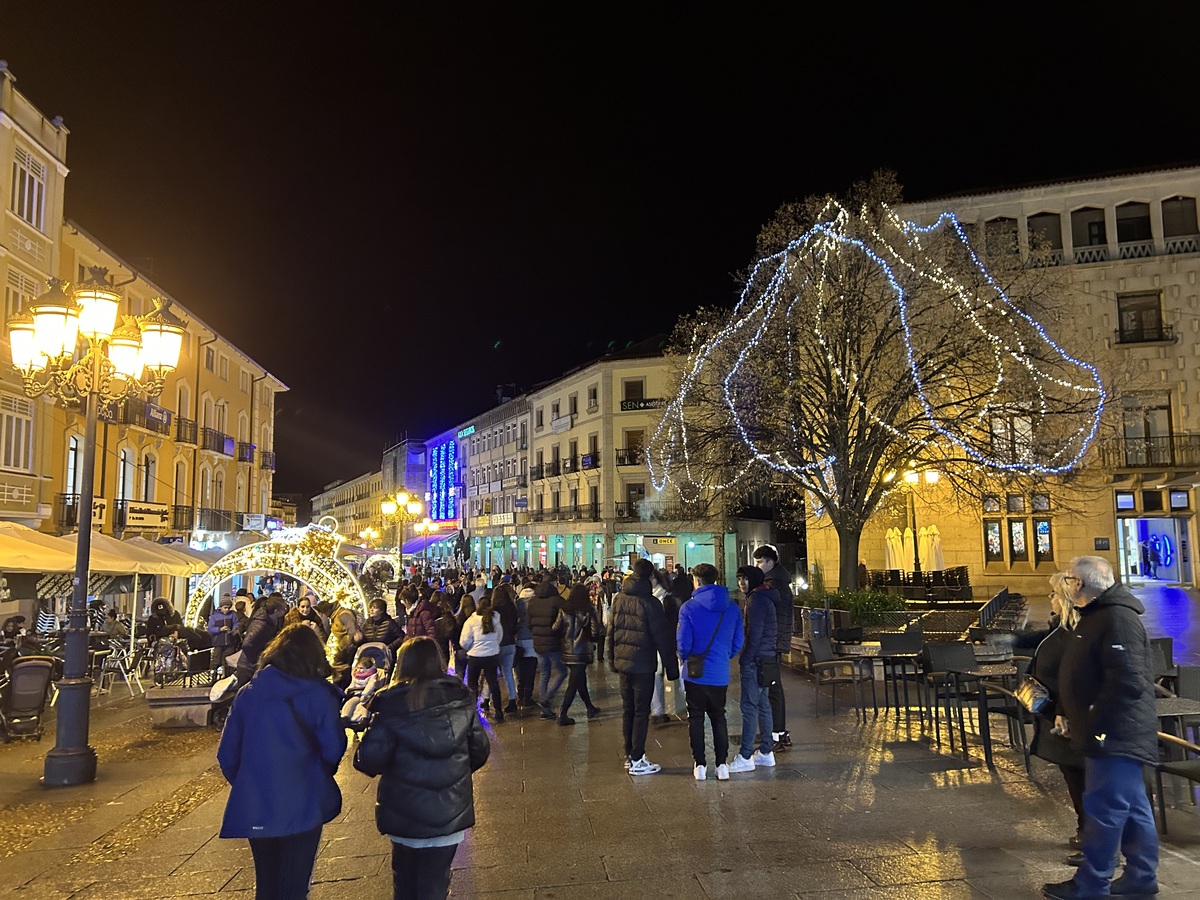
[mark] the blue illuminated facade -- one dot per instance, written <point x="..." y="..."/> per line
<point x="443" y="475"/>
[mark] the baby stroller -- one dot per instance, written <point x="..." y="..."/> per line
<point x="23" y="697"/>
<point x="371" y="671"/>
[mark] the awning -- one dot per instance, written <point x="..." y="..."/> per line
<point x="26" y="550"/>
<point x="130" y="559"/>
<point x="170" y="553"/>
<point x="414" y="546"/>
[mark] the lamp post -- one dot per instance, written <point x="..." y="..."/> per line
<point x="401" y="509"/>
<point x="912" y="478"/>
<point x="424" y="527"/>
<point x="111" y="363"/>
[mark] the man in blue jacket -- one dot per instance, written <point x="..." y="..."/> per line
<point x="761" y="602"/>
<point x="710" y="625"/>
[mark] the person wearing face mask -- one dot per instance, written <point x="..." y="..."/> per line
<point x="381" y="627"/>
<point x="775" y="577"/>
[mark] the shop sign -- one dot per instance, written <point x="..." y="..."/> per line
<point x="467" y="432"/>
<point x="502" y="519"/>
<point x="99" y="511"/>
<point x="254" y="521"/>
<point x="510" y="482"/>
<point x="483" y="521"/>
<point x="658" y="543"/>
<point x="158" y="414"/>
<point x="646" y="403"/>
<point x="561" y="424"/>
<point x="145" y="514"/>
<point x="521" y="503"/>
<point x="587" y="461"/>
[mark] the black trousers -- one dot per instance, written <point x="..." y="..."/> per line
<point x="778" y="702"/>
<point x="576" y="683"/>
<point x="636" y="691"/>
<point x="283" y="866"/>
<point x="707" y="700"/>
<point x="1073" y="776"/>
<point x="489" y="667"/>
<point x="526" y="678"/>
<point x="421" y="873"/>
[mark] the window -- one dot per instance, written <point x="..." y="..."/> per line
<point x="1124" y="500"/>
<point x="125" y="475"/>
<point x="573" y="404"/>
<point x="1000" y="236"/>
<point x="223" y="368"/>
<point x="210" y="358"/>
<point x="1012" y="437"/>
<point x="28" y="197"/>
<point x="1015" y="503"/>
<point x="991" y="504"/>
<point x="1039" y="502"/>
<point x="1180" y="500"/>
<point x="1087" y="227"/>
<point x="553" y="410"/>
<point x="537" y="418"/>
<point x="244" y="381"/>
<point x="633" y="389"/>
<point x="1018" y="548"/>
<point x="181" y="484"/>
<point x="993" y="542"/>
<point x="593" y="444"/>
<point x="1147" y="426"/>
<point x="1133" y="223"/>
<point x="218" y="489"/>
<point x="183" y="402"/>
<point x="1045" y="232"/>
<point x="74" y="461"/>
<point x="1152" y="501"/>
<point x="1043" y="541"/>
<point x="593" y="398"/>
<point x="1139" y="317"/>
<point x="16" y="433"/>
<point x="19" y="292"/>
<point x="1179" y="217"/>
<point x="149" y="476"/>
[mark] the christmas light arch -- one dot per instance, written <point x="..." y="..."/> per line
<point x="308" y="554"/>
<point x="392" y="559"/>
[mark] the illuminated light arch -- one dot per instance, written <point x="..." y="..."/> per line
<point x="392" y="559"/>
<point x="308" y="554"/>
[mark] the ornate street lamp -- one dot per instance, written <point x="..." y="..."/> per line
<point x="912" y="478"/>
<point x="400" y="509"/>
<point x="71" y="348"/>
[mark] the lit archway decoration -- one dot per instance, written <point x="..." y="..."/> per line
<point x="308" y="554"/>
<point x="392" y="559"/>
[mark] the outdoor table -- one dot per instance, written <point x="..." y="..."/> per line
<point x="980" y="673"/>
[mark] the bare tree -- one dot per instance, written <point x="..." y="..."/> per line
<point x="864" y="346"/>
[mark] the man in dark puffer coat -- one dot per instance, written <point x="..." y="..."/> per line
<point x="542" y="609"/>
<point x="775" y="576"/>
<point x="640" y="634"/>
<point x="1107" y="685"/>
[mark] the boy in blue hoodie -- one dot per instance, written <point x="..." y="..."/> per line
<point x="710" y="624"/>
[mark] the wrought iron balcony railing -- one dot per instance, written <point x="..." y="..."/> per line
<point x="1153" y="452"/>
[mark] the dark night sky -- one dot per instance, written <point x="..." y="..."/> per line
<point x="394" y="211"/>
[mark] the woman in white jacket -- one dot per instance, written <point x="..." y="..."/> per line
<point x="481" y="635"/>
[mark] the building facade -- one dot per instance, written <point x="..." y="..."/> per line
<point x="197" y="461"/>
<point x="354" y="504"/>
<point x="1127" y="251"/>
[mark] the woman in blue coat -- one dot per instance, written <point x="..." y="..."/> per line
<point x="284" y="730"/>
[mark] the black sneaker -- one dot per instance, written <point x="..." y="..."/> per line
<point x="565" y="720"/>
<point x="1065" y="890"/>
<point x="593" y="712"/>
<point x="1122" y="888"/>
<point x="785" y="739"/>
<point x="547" y="714"/>
<point x="512" y="706"/>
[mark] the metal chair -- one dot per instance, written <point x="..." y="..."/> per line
<point x="940" y="660"/>
<point x="1188" y="768"/>
<point x="901" y="650"/>
<point x="830" y="670"/>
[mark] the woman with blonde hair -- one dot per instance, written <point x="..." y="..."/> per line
<point x="1049" y="741"/>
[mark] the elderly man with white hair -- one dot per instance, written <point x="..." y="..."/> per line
<point x="1107" y="686"/>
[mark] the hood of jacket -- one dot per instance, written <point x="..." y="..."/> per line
<point x="526" y="593"/>
<point x="1117" y="595"/>
<point x="637" y="587"/>
<point x="546" y="589"/>
<point x="442" y="696"/>
<point x="714" y="597"/>
<point x="271" y="683"/>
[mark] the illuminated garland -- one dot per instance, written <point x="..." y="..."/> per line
<point x="308" y="554"/>
<point x="771" y="296"/>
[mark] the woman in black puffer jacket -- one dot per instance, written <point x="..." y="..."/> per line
<point x="578" y="627"/>
<point x="424" y="741"/>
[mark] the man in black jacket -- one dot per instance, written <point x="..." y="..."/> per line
<point x="542" y="609"/>
<point x="640" y="635"/>
<point x="1107" y="686"/>
<point x="775" y="576"/>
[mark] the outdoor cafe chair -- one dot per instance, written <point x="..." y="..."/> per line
<point x="1162" y="659"/>
<point x="1188" y="767"/>
<point x="940" y="661"/>
<point x="831" y="671"/>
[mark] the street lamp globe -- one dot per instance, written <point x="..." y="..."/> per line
<point x="162" y="337"/>
<point x="98" y="303"/>
<point x="388" y="507"/>
<point x="22" y="339"/>
<point x="55" y="322"/>
<point x="125" y="352"/>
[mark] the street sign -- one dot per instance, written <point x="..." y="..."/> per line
<point x="521" y="503"/>
<point x="146" y="514"/>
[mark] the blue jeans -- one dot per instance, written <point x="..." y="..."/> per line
<point x="1116" y="814"/>
<point x="756" y="712"/>
<point x="508" y="653"/>
<point x="547" y="687"/>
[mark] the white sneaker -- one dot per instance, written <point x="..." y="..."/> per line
<point x="700" y="772"/>
<point x="722" y="772"/>
<point x="741" y="764"/>
<point x="643" y="766"/>
<point x="766" y="760"/>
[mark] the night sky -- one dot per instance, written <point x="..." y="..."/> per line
<point x="396" y="211"/>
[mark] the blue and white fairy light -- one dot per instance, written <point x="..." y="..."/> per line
<point x="770" y="296"/>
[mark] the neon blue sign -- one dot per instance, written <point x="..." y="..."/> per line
<point x="443" y="474"/>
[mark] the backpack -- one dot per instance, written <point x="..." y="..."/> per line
<point x="444" y="626"/>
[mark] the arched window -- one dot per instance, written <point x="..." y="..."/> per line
<point x="181" y="483"/>
<point x="183" y="402"/>
<point x="219" y="490"/>
<point x="206" y="413"/>
<point x="74" y="465"/>
<point x="205" y="487"/>
<point x="149" y="476"/>
<point x="241" y="494"/>
<point x="243" y="433"/>
<point x="125" y="475"/>
<point x="263" y="505"/>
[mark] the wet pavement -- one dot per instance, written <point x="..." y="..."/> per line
<point x="853" y="810"/>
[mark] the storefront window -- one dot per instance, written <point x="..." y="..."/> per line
<point x="1043" y="543"/>
<point x="1018" y="549"/>
<point x="993" y="541"/>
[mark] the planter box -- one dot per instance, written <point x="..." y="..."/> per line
<point x="179" y="707"/>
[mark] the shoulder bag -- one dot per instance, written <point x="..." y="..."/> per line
<point x="695" y="662"/>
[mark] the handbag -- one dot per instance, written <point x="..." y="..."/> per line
<point x="695" y="661"/>
<point x="1033" y="695"/>
<point x="768" y="671"/>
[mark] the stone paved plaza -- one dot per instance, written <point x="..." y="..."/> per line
<point x="873" y="810"/>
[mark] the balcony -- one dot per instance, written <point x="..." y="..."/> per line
<point x="182" y="518"/>
<point x="553" y="468"/>
<point x="647" y="511"/>
<point x="1052" y="257"/>
<point x="266" y="460"/>
<point x="522" y="481"/>
<point x="633" y="456"/>
<point x="185" y="430"/>
<point x="593" y="406"/>
<point x="245" y="452"/>
<point x="1149" y="335"/>
<point x="1153" y="452"/>
<point x="215" y="520"/>
<point x="138" y="412"/>
<point x="570" y="464"/>
<point x="1135" y="249"/>
<point x="536" y="473"/>
<point x="1183" y="243"/>
<point x="1093" y="254"/>
<point x="216" y="441"/>
<point x="66" y="510"/>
